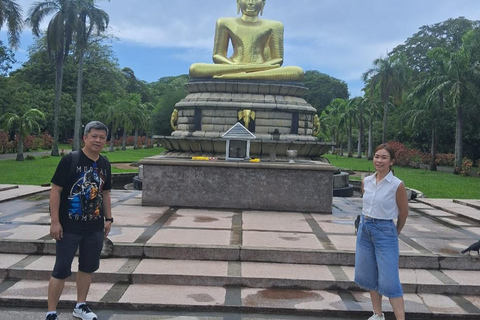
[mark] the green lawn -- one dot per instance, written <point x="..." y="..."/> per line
<point x="40" y="170"/>
<point x="434" y="184"/>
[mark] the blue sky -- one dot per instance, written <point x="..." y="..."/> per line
<point x="158" y="38"/>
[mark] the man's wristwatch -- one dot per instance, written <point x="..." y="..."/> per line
<point x="109" y="219"/>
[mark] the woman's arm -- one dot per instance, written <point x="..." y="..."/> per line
<point x="402" y="203"/>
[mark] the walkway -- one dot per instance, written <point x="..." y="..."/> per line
<point x="221" y="264"/>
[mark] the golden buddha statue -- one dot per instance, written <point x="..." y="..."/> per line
<point x="257" y="48"/>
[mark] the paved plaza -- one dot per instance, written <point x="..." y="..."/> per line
<point x="194" y="263"/>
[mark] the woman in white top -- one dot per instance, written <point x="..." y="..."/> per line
<point x="377" y="252"/>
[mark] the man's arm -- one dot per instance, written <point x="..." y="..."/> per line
<point x="56" y="230"/>
<point x="107" y="210"/>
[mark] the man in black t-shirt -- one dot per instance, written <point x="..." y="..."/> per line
<point x="81" y="217"/>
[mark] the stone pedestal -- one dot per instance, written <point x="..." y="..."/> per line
<point x="212" y="107"/>
<point x="279" y="118"/>
<point x="304" y="186"/>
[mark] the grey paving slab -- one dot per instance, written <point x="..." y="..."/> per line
<point x="290" y="240"/>
<point x="294" y="299"/>
<point x="198" y="218"/>
<point x="273" y="221"/>
<point x="182" y="295"/>
<point x="182" y="267"/>
<point x="9" y="192"/>
<point x="7" y="260"/>
<point x="36" y="290"/>
<point x="136" y="215"/>
<point x="125" y="234"/>
<point x="286" y="271"/>
<point x="432" y="232"/>
<point x="24" y="232"/>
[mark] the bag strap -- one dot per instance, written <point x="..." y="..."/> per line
<point x="73" y="164"/>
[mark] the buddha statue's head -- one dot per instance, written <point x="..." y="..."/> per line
<point x="250" y="7"/>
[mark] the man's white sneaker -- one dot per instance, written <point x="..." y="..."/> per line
<point x="83" y="312"/>
<point x="377" y="317"/>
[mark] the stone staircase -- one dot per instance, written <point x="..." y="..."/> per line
<point x="250" y="262"/>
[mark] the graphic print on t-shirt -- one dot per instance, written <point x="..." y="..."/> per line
<point x="85" y="198"/>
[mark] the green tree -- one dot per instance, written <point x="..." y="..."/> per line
<point x="23" y="124"/>
<point x="59" y="38"/>
<point x="91" y="19"/>
<point x="322" y="89"/>
<point x="11" y="14"/>
<point x="458" y="83"/>
<point x="167" y="92"/>
<point x="360" y="105"/>
<point x="388" y="76"/>
<point x="109" y="113"/>
<point x="338" y="111"/>
<point x="7" y="58"/>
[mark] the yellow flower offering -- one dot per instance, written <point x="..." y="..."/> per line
<point x="254" y="160"/>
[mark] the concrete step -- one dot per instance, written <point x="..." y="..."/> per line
<point x="241" y="274"/>
<point x="252" y="254"/>
<point x="319" y="303"/>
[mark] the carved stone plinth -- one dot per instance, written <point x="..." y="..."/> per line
<point x="212" y="107"/>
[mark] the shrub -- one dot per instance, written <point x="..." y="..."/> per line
<point x="29" y="143"/>
<point x="29" y="157"/>
<point x="445" y="159"/>
<point x="4" y="143"/>
<point x="467" y="165"/>
<point x="47" y="141"/>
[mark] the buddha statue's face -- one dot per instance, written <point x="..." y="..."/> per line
<point x="251" y="7"/>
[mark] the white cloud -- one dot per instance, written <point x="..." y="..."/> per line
<point x="342" y="37"/>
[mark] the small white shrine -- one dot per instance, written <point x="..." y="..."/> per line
<point x="238" y="142"/>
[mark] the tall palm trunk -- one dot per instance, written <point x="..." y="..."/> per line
<point x="433" y="150"/>
<point x="349" y="138"/>
<point x="459" y="139"/>
<point x="20" y="147"/>
<point x="135" y="140"/>
<point x="360" y="134"/>
<point x="56" y="103"/>
<point x="112" y="137"/>
<point x="78" y="106"/>
<point x="433" y="147"/>
<point x="370" y="138"/>
<point x="385" y="119"/>
<point x="124" y="139"/>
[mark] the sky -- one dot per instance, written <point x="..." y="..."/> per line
<point x="341" y="38"/>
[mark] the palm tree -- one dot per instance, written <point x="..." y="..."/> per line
<point x="11" y="14"/>
<point x="59" y="38"/>
<point x="359" y="104"/>
<point x="347" y="119"/>
<point x="338" y="111"/>
<point x="126" y="109"/>
<point x="373" y="108"/>
<point x="90" y="19"/>
<point x="140" y="119"/>
<point x="388" y="77"/>
<point x="428" y="101"/>
<point x="457" y="83"/>
<point x="23" y="124"/>
<point x="109" y="112"/>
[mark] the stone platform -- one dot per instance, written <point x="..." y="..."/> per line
<point x="284" y="265"/>
<point x="304" y="186"/>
